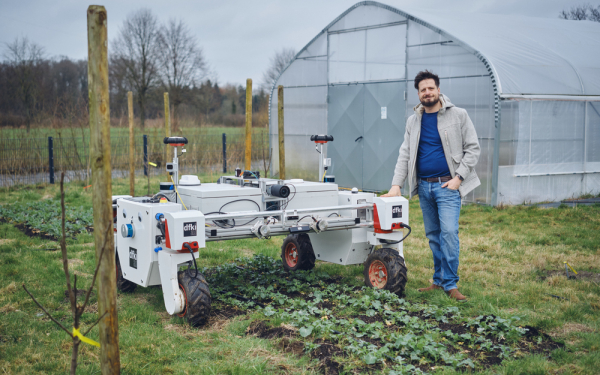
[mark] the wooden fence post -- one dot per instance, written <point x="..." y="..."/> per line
<point x="99" y="112"/>
<point x="248" y="163"/>
<point x="168" y="157"/>
<point x="131" y="146"/>
<point x="280" y="132"/>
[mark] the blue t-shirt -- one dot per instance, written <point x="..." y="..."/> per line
<point x="431" y="161"/>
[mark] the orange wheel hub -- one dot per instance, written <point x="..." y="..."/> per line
<point x="291" y="255"/>
<point x="378" y="274"/>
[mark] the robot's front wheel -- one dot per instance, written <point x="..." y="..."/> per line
<point x="385" y="269"/>
<point x="297" y="253"/>
<point x="197" y="297"/>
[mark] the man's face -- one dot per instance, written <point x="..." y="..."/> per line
<point x="429" y="93"/>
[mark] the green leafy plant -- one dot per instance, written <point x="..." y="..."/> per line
<point x="43" y="217"/>
<point x="370" y="324"/>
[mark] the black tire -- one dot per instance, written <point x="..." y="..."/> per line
<point x="385" y="269"/>
<point x="123" y="285"/>
<point x="197" y="297"/>
<point x="299" y="251"/>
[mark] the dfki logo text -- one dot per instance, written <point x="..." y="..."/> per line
<point x="396" y="212"/>
<point x="190" y="229"/>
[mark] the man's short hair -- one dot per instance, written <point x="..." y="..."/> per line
<point x="426" y="74"/>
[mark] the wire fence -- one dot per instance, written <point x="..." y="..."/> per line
<point x="38" y="160"/>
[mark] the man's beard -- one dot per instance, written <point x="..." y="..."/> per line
<point x="430" y="102"/>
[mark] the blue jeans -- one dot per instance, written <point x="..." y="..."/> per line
<point x="441" y="210"/>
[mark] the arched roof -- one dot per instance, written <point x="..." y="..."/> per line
<point x="530" y="55"/>
<point x="525" y="55"/>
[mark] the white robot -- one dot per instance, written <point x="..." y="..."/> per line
<point x="156" y="236"/>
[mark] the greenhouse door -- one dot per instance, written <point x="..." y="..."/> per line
<point x="367" y="122"/>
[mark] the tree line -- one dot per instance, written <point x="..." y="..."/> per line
<point x="147" y="58"/>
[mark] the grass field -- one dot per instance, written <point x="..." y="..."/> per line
<point x="511" y="265"/>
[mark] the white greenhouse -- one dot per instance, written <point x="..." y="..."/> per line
<point x="530" y="85"/>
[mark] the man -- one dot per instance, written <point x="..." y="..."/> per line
<point x="438" y="156"/>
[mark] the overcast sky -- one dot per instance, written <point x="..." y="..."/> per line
<point x="238" y="37"/>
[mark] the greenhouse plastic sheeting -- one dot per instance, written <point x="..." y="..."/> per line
<point x="530" y="55"/>
<point x="548" y="150"/>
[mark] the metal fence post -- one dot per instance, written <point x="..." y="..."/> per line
<point x="145" y="155"/>
<point x="51" y="159"/>
<point x="224" y="153"/>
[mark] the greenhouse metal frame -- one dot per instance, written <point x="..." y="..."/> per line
<point x="530" y="85"/>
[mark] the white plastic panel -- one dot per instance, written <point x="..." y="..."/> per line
<point x="318" y="47"/>
<point x="347" y="57"/>
<point x="445" y="60"/>
<point x="301" y="158"/>
<point x="305" y="111"/>
<point x="547" y="151"/>
<point x="363" y="16"/>
<point x="509" y="132"/>
<point x="367" y="55"/>
<point x="419" y="34"/>
<point x="385" y="54"/>
<point x="305" y="72"/>
<point x="592" y="135"/>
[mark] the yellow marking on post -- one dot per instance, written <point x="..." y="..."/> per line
<point x="152" y="164"/>
<point x="83" y="338"/>
<point x="570" y="267"/>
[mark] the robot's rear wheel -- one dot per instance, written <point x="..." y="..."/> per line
<point x="385" y="269"/>
<point x="297" y="253"/>
<point x="197" y="297"/>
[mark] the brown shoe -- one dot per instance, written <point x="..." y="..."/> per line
<point x="430" y="288"/>
<point x="455" y="294"/>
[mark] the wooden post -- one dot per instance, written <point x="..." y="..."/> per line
<point x="131" y="146"/>
<point x="99" y="112"/>
<point x="280" y="132"/>
<point x="168" y="156"/>
<point x="248" y="163"/>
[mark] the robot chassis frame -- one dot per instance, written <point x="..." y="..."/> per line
<point x="157" y="237"/>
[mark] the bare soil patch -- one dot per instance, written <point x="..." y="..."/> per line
<point x="226" y="312"/>
<point x="323" y="353"/>
<point x="289" y="345"/>
<point x="33" y="232"/>
<point x="260" y="329"/>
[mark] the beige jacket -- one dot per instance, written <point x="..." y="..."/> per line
<point x="459" y="140"/>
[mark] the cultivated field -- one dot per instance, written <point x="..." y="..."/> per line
<point x="321" y="321"/>
<point x="24" y="157"/>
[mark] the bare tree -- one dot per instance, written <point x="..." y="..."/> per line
<point x="581" y="13"/>
<point x="135" y="53"/>
<point x="77" y="310"/>
<point x="25" y="57"/>
<point x="278" y="62"/>
<point x="182" y="61"/>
